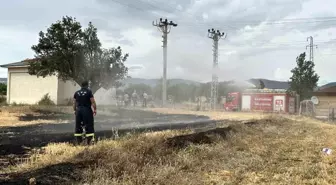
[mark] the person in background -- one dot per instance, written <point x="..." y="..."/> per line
<point x="83" y="104"/>
<point x="120" y="100"/>
<point x="145" y="97"/>
<point x="126" y="99"/>
<point x="135" y="98"/>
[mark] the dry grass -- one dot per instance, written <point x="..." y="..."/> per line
<point x="220" y="115"/>
<point x="273" y="150"/>
<point x="12" y="120"/>
<point x="10" y="115"/>
<point x="26" y="109"/>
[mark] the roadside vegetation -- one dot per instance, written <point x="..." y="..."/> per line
<point x="3" y="92"/>
<point x="46" y="101"/>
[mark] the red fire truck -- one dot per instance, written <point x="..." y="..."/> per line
<point x="232" y="102"/>
<point x="266" y="100"/>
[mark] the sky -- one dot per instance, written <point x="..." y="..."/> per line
<point x="263" y="37"/>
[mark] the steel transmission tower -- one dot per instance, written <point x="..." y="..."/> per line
<point x="311" y="48"/>
<point x="215" y="36"/>
<point x="164" y="26"/>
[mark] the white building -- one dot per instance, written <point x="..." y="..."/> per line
<point x="29" y="89"/>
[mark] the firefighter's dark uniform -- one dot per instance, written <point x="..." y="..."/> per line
<point x="84" y="114"/>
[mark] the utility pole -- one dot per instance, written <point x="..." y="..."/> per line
<point x="164" y="26"/>
<point x="311" y="48"/>
<point x="215" y="36"/>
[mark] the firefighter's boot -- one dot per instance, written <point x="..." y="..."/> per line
<point x="90" y="140"/>
<point x="78" y="140"/>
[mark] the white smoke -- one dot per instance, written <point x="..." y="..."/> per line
<point x="105" y="97"/>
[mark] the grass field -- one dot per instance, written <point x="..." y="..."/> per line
<point x="219" y="115"/>
<point x="10" y="116"/>
<point x="261" y="149"/>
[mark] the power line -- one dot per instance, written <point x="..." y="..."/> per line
<point x="235" y="25"/>
<point x="141" y="9"/>
<point x="128" y="5"/>
<point x="215" y="36"/>
<point x="293" y="43"/>
<point x="283" y="21"/>
<point x="154" y="5"/>
<point x="259" y="27"/>
<point x="164" y="26"/>
<point x="232" y="25"/>
<point x="288" y="20"/>
<point x="317" y="19"/>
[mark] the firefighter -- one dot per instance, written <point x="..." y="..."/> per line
<point x="82" y="105"/>
<point x="120" y="100"/>
<point x="145" y="97"/>
<point x="126" y="99"/>
<point x="134" y="98"/>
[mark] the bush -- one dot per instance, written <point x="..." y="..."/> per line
<point x="3" y="89"/>
<point x="45" y="100"/>
<point x="18" y="104"/>
<point x="3" y="100"/>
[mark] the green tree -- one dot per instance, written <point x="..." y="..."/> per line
<point x="73" y="53"/>
<point x="304" y="78"/>
<point x="3" y="89"/>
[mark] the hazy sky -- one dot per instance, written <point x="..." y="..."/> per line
<point x="264" y="36"/>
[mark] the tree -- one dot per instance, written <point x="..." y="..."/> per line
<point x="3" y="89"/>
<point x="71" y="53"/>
<point x="304" y="79"/>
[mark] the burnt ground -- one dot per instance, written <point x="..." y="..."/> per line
<point x="67" y="172"/>
<point x="17" y="142"/>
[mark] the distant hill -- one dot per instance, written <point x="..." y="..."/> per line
<point x="154" y="82"/>
<point x="326" y="86"/>
<point x="332" y="84"/>
<point x="270" y="84"/>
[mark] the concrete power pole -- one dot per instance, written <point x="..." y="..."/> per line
<point x="215" y="36"/>
<point x="164" y="26"/>
<point x="311" y="48"/>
